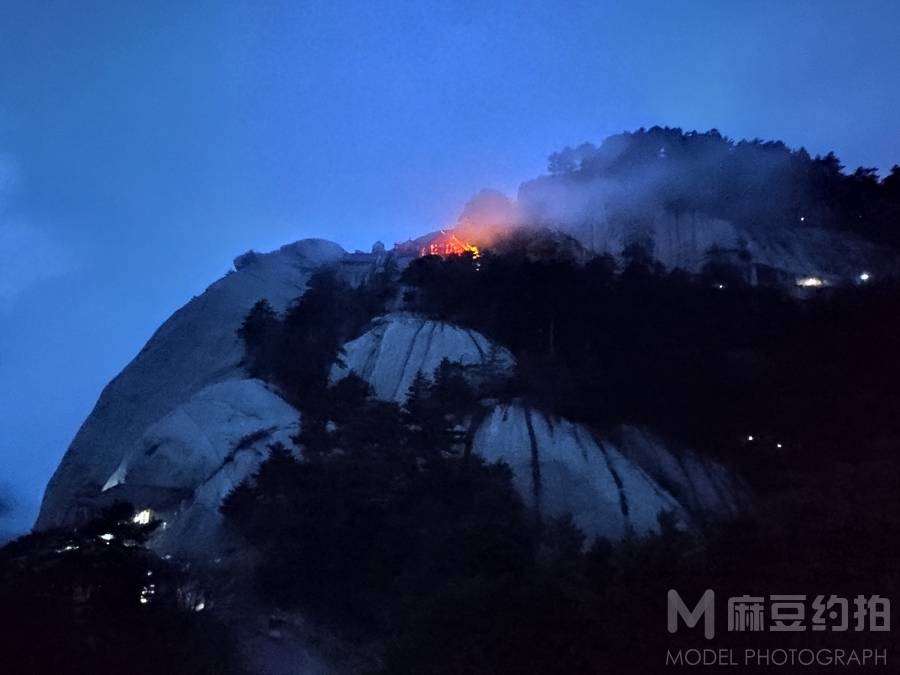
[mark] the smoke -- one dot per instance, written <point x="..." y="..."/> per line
<point x="687" y="195"/>
<point x="586" y="194"/>
<point x="488" y="207"/>
<point x="629" y="177"/>
<point x="486" y="217"/>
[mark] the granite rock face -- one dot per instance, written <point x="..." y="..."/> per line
<point x="577" y="208"/>
<point x="195" y="348"/>
<point x="400" y="345"/>
<point x="610" y="487"/>
<point x="182" y="424"/>
<point x="183" y="465"/>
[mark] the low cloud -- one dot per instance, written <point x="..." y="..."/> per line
<point x="28" y="253"/>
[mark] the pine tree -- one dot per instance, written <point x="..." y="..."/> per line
<point x="260" y="331"/>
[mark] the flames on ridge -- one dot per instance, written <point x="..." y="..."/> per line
<point x="467" y="237"/>
<point x="447" y="244"/>
<point x="444" y="243"/>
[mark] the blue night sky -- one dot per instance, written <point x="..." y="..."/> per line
<point x="144" y="145"/>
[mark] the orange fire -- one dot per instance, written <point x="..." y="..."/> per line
<point x="449" y="244"/>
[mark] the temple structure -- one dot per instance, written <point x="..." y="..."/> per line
<point x="443" y="243"/>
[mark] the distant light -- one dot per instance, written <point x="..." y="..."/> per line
<point x="778" y="445"/>
<point x="810" y="282"/>
<point x="200" y="607"/>
<point x="749" y="438"/>
<point x="720" y="286"/>
<point x="864" y="277"/>
<point x="107" y="537"/>
<point x="802" y="219"/>
<point x="149" y="573"/>
<point x="142" y="517"/>
<point x="144" y="600"/>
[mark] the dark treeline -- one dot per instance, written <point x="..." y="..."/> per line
<point x="751" y="183"/>
<point x="295" y="351"/>
<point x="424" y="559"/>
<point x="428" y="565"/>
<point x="94" y="600"/>
<point x="704" y="360"/>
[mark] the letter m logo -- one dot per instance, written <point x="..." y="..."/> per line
<point x="706" y="608"/>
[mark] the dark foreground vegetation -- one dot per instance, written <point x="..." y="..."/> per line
<point x="423" y="558"/>
<point x="705" y="360"/>
<point x="426" y="562"/>
<point x="93" y="601"/>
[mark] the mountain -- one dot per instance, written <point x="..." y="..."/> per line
<point x="699" y="197"/>
<point x="183" y="424"/>
<point x="499" y="432"/>
<point x="775" y="215"/>
<point x="193" y="349"/>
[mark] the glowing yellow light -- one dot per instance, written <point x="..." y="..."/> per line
<point x="448" y="245"/>
<point x="810" y="282"/>
<point x="146" y="592"/>
<point x="142" y="517"/>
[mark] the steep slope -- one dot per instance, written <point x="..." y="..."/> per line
<point x="610" y="487"/>
<point x="559" y="468"/>
<point x="700" y="486"/>
<point x="400" y="345"/>
<point x="800" y="251"/>
<point x="181" y="425"/>
<point x="184" y="464"/>
<point x="193" y="349"/>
